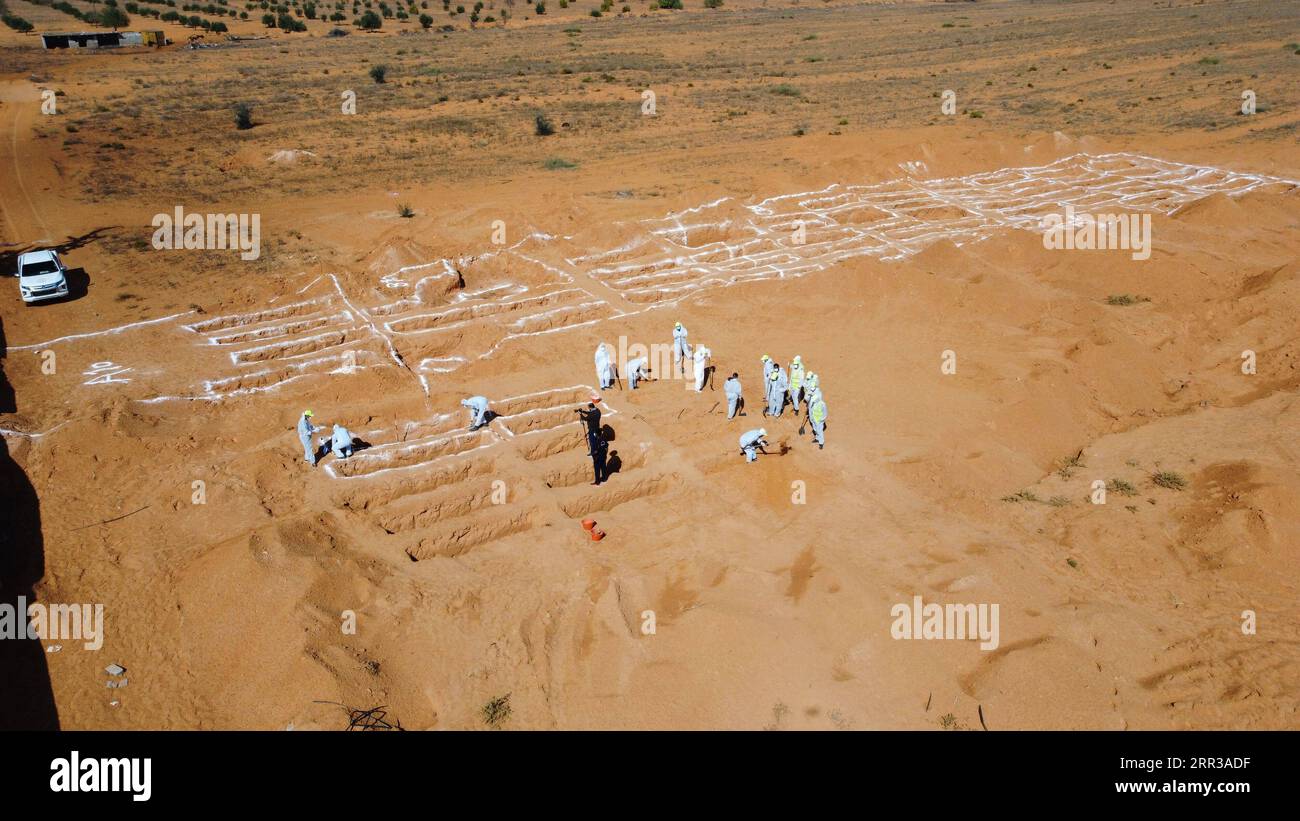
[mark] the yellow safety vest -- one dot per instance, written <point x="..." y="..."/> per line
<point x="819" y="411"/>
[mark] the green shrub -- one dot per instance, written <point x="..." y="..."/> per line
<point x="1169" y="480"/>
<point x="1122" y="487"/>
<point x="496" y="711"/>
<point x="18" y="24"/>
<point x="286" y="22"/>
<point x="114" y="18"/>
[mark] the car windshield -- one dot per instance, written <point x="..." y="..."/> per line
<point x="35" y="269"/>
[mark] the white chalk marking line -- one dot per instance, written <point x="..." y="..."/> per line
<point x="248" y="319"/>
<point x="26" y="435"/>
<point x="301" y="325"/>
<point x="329" y="468"/>
<point x="392" y="351"/>
<point x="490" y="310"/>
<point x="239" y="357"/>
<point x="1110" y="180"/>
<point x="903" y="217"/>
<point x="119" y="329"/>
<point x="387" y="451"/>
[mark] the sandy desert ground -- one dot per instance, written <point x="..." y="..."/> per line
<point x="478" y="599"/>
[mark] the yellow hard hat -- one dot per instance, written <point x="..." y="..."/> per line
<point x="307" y="413"/>
<point x="764" y="357"/>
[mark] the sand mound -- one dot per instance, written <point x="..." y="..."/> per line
<point x="1218" y="210"/>
<point x="943" y="257"/>
<point x="395" y="254"/>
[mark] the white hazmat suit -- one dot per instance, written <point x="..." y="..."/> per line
<point x="681" y="350"/>
<point x="734" y="396"/>
<point x="701" y="358"/>
<point x="478" y="408"/>
<point x="751" y="441"/>
<point x="604" y="367"/>
<point x="636" y="371"/>
<point x="341" y="442"/>
<point x="305" y="430"/>
<point x="817" y="414"/>
<point x="777" y="385"/>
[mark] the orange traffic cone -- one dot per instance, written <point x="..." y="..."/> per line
<point x="588" y="524"/>
<point x="597" y="534"/>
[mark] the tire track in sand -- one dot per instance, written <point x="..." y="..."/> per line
<point x="18" y="100"/>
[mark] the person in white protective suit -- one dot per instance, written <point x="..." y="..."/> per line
<point x="478" y="410"/>
<point x="604" y="367"/>
<point x="811" y="382"/>
<point x="817" y="415"/>
<point x="796" y="381"/>
<point x="681" y="350"/>
<point x="751" y="442"/>
<point x="776" y="387"/>
<point x="636" y="371"/>
<point x="735" y="399"/>
<point x="341" y="442"/>
<point x="701" y="357"/>
<point x="305" y="431"/>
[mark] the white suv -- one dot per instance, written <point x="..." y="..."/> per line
<point x="41" y="276"/>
